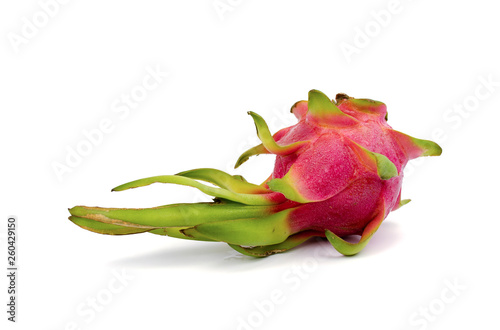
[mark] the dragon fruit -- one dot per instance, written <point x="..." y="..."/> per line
<point x="338" y="172"/>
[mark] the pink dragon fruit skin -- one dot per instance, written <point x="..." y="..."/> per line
<point x="338" y="172"/>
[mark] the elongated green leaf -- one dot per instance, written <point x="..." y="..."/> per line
<point x="268" y="141"/>
<point x="248" y="199"/>
<point x="224" y="180"/>
<point x="175" y="215"/>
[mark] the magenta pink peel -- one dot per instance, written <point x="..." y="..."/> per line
<point x="338" y="172"/>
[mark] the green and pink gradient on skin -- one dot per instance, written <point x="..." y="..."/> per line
<point x="338" y="172"/>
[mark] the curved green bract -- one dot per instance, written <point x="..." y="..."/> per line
<point x="267" y="250"/>
<point x="384" y="167"/>
<point x="272" y="229"/>
<point x="349" y="249"/>
<point x="224" y="180"/>
<point x="324" y="112"/>
<point x="257" y="150"/>
<point x="268" y="141"/>
<point x="288" y="189"/>
<point x="403" y="202"/>
<point x="248" y="199"/>
<point x="415" y="148"/>
<point x="344" y="247"/>
<point x="430" y="148"/>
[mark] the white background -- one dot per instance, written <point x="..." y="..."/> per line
<point x="426" y="60"/>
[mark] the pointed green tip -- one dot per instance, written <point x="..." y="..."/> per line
<point x="239" y="162"/>
<point x="78" y="211"/>
<point x="118" y="188"/>
<point x="324" y="111"/>
<point x="243" y="158"/>
<point x="432" y="148"/>
<point x="283" y="186"/>
<point x="415" y="148"/>
<point x="385" y="168"/>
<point x="343" y="247"/>
<point x="400" y="204"/>
<point x="320" y="105"/>
<point x="126" y="186"/>
<point x="254" y="151"/>
<point x="404" y="202"/>
<point x="314" y="93"/>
